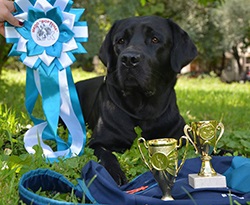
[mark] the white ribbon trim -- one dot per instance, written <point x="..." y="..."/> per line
<point x="68" y="115"/>
<point x="69" y="46"/>
<point x="65" y="60"/>
<point x="43" y="5"/>
<point x="61" y="3"/>
<point x="22" y="16"/>
<point x="30" y="61"/>
<point x="11" y="32"/>
<point x="24" y="5"/>
<point x="80" y="31"/>
<point x="34" y="137"/>
<point x="21" y="46"/>
<point x="37" y="81"/>
<point x="69" y="19"/>
<point x="46" y="58"/>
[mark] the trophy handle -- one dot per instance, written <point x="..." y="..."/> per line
<point x="185" y="152"/>
<point x="187" y="129"/>
<point x="220" y="127"/>
<point x="139" y="141"/>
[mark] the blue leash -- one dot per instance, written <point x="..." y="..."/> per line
<point x="47" y="180"/>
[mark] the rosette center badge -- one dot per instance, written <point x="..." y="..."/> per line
<point x="45" y="32"/>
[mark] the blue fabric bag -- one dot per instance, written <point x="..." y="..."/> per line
<point x="104" y="190"/>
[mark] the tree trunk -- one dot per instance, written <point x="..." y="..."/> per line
<point x="223" y="60"/>
<point x="237" y="57"/>
<point x="4" y="50"/>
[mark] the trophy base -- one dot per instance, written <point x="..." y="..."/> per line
<point x="196" y="181"/>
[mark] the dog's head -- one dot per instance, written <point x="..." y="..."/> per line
<point x="146" y="51"/>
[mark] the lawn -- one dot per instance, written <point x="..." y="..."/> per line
<point x="198" y="98"/>
<point x="209" y="98"/>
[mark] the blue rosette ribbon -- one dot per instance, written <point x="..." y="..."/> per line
<point x="46" y="44"/>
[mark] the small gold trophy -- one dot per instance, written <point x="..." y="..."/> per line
<point x="163" y="161"/>
<point x="205" y="138"/>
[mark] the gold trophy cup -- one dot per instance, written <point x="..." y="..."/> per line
<point x="163" y="161"/>
<point x="205" y="135"/>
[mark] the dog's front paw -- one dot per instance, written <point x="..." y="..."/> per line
<point x="116" y="172"/>
<point x="110" y="162"/>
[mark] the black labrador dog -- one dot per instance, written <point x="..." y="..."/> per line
<point x="143" y="56"/>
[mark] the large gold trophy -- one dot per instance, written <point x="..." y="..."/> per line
<point x="206" y="135"/>
<point x="163" y="161"/>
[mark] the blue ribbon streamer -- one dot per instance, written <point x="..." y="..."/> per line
<point x="31" y="95"/>
<point x="50" y="97"/>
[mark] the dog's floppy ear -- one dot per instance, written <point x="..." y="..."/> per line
<point x="106" y="53"/>
<point x="183" y="50"/>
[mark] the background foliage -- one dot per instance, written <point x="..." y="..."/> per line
<point x="216" y="26"/>
<point x="206" y="21"/>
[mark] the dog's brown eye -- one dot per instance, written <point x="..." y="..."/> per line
<point x="121" y="41"/>
<point x="155" y="40"/>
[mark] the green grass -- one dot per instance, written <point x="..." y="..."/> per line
<point x="198" y="99"/>
<point x="210" y="99"/>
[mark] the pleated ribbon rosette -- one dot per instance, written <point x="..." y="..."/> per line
<point x="51" y="34"/>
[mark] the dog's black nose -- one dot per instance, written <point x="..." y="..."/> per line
<point x="131" y="59"/>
